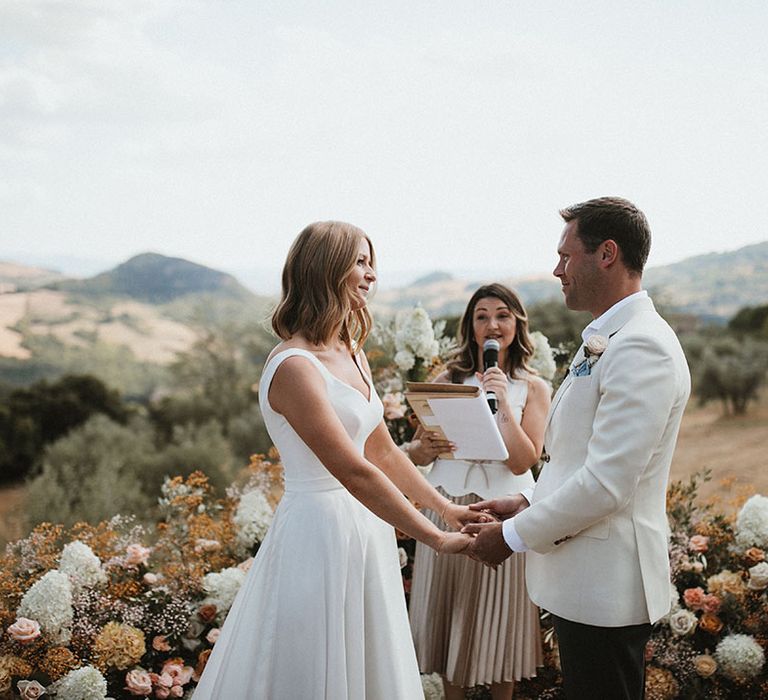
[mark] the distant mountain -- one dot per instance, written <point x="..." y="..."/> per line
<point x="713" y="287"/>
<point x="157" y="279"/>
<point x="14" y="277"/>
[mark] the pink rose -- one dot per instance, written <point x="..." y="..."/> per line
<point x="162" y="683"/>
<point x="710" y="604"/>
<point x="596" y="344"/>
<point x="213" y="635"/>
<point x="24" y="630"/>
<point x="180" y="675"/>
<point x="136" y="554"/>
<point x="138" y="682"/>
<point x="694" y="598"/>
<point x="160" y="643"/>
<point x="30" y="690"/>
<point x="698" y="543"/>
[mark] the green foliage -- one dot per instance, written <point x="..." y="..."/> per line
<point x="727" y="369"/>
<point x="103" y="468"/>
<point x="34" y="417"/>
<point x="751" y="320"/>
<point x="248" y="434"/>
<point x="116" y="365"/>
<point x="218" y="374"/>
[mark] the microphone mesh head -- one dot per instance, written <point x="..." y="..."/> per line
<point x="491" y="344"/>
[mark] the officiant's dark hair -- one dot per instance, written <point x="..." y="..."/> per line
<point x="464" y="361"/>
<point x="616" y="219"/>
<point x="315" y="298"/>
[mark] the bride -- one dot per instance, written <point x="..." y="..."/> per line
<point x="322" y="612"/>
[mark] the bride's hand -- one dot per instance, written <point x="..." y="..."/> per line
<point x="456" y="516"/>
<point x="454" y="543"/>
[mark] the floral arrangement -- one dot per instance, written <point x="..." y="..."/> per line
<point x="713" y="642"/>
<point x="116" y="610"/>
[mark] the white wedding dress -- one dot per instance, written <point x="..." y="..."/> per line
<point x="321" y="613"/>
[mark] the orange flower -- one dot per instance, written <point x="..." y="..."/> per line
<point x="207" y="612"/>
<point x="202" y="660"/>
<point x="711" y="623"/>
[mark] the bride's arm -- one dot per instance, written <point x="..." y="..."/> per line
<point x="298" y="392"/>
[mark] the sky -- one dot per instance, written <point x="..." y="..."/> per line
<point x="451" y="131"/>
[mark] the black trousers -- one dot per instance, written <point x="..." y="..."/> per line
<point x="602" y="663"/>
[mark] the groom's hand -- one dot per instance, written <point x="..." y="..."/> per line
<point x="503" y="508"/>
<point x="488" y="546"/>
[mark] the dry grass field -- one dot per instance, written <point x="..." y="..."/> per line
<point x="734" y="449"/>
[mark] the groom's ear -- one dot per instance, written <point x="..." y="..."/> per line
<point x="608" y="253"/>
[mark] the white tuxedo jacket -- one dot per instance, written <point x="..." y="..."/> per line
<point x="597" y="524"/>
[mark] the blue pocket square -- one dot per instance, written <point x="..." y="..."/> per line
<point x="583" y="369"/>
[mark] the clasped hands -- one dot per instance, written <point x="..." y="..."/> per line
<point x="480" y="524"/>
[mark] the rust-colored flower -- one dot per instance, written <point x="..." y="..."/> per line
<point x="660" y="684"/>
<point x="118" y="646"/>
<point x="711" y="623"/>
<point x="754" y="555"/>
<point x="207" y="612"/>
<point x="705" y="665"/>
<point x="58" y="662"/>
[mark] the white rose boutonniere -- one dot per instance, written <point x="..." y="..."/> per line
<point x="594" y="347"/>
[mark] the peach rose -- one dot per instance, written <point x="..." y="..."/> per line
<point x="150" y="579"/>
<point x="726" y="582"/>
<point x="213" y="635"/>
<point x="160" y="643"/>
<point x="162" y="684"/>
<point x="176" y="669"/>
<point x="754" y="555"/>
<point x="698" y="543"/>
<point x="203" y="545"/>
<point x="138" y="682"/>
<point x="207" y="612"/>
<point x="24" y="630"/>
<point x="30" y="690"/>
<point x="710" y="623"/>
<point x="136" y="554"/>
<point x="705" y="665"/>
<point x="393" y="405"/>
<point x="694" y="598"/>
<point x="710" y="604"/>
<point x="596" y="344"/>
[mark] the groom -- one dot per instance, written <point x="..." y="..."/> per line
<point x="596" y="526"/>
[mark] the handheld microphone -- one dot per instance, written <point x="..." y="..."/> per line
<point x="491" y="359"/>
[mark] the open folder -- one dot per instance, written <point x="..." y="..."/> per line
<point x="459" y="413"/>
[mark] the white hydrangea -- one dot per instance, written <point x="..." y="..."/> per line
<point x="432" y="685"/>
<point x="253" y="518"/>
<point x="84" y="683"/>
<point x="674" y="603"/>
<point x="81" y="565"/>
<point x="405" y="360"/>
<point x="752" y="523"/>
<point x="414" y="334"/>
<point x="49" y="601"/>
<point x="739" y="657"/>
<point x="221" y="588"/>
<point x="543" y="359"/>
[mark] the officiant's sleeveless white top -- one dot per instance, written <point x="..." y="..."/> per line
<point x="322" y="613"/>
<point x="488" y="479"/>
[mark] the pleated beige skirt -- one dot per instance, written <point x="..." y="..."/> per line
<point x="472" y="624"/>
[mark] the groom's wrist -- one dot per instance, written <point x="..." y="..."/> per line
<point x="513" y="540"/>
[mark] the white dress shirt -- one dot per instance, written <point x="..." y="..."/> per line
<point x="513" y="540"/>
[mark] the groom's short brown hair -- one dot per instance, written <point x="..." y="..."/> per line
<point x="616" y="219"/>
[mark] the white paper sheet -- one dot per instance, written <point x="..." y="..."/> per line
<point x="470" y="425"/>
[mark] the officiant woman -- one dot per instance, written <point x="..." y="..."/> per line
<point x="472" y="624"/>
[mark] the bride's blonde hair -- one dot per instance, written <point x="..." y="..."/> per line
<point x="315" y="300"/>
